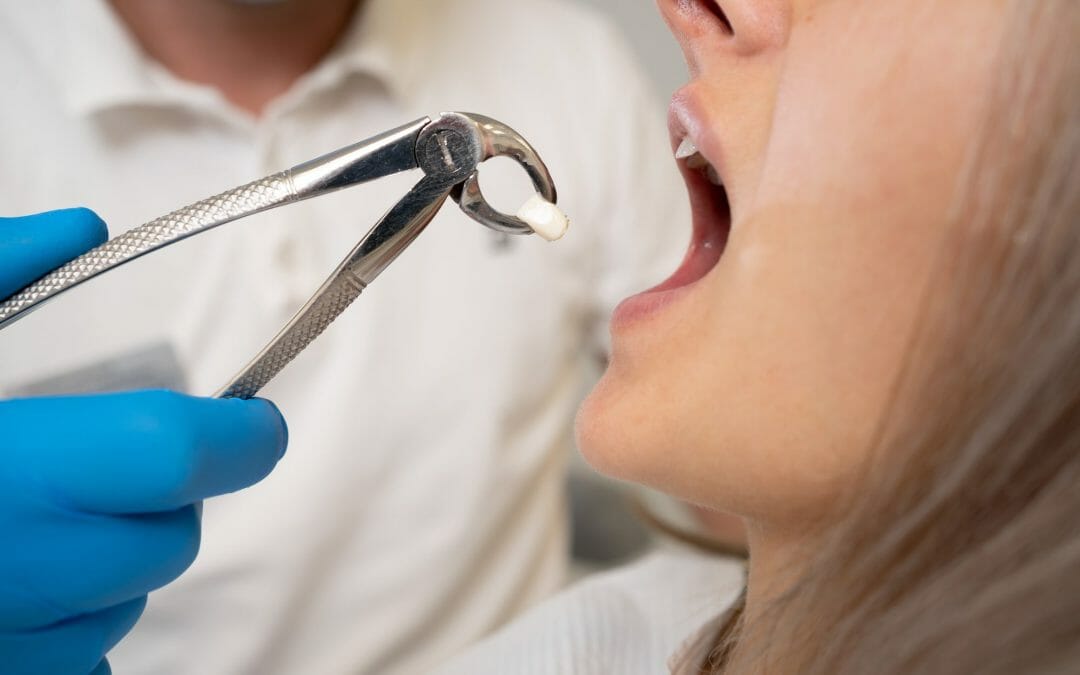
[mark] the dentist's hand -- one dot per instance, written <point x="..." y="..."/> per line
<point x="99" y="495"/>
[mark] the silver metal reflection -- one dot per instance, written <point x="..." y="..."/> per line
<point x="448" y="149"/>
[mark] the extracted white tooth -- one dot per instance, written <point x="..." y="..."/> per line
<point x="686" y="149"/>
<point x="545" y="219"/>
<point x="713" y="176"/>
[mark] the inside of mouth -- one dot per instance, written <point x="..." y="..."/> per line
<point x="710" y="201"/>
<point x="712" y="225"/>
<point x="718" y="215"/>
<point x="722" y="205"/>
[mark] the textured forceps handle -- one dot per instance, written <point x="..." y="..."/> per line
<point x="237" y="203"/>
<point x="326" y="305"/>
<point x="380" y="246"/>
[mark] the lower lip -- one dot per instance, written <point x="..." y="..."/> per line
<point x="711" y="229"/>
<point x="699" y="260"/>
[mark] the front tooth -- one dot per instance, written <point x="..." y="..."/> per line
<point x="697" y="161"/>
<point x="686" y="149"/>
<point x="713" y="176"/>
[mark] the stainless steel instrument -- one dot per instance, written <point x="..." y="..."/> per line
<point x="448" y="149"/>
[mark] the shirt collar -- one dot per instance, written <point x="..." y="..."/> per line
<point x="104" y="68"/>
<point x="386" y="41"/>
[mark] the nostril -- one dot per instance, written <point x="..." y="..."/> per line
<point x="716" y="10"/>
<point x="713" y="7"/>
<point x="745" y="27"/>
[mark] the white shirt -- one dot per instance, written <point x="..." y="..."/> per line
<point x="633" y="621"/>
<point x="420" y="504"/>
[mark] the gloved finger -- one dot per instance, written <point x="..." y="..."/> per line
<point x="74" y="646"/>
<point x="102" y="668"/>
<point x="33" y="245"/>
<point x="137" y="452"/>
<point x="68" y="564"/>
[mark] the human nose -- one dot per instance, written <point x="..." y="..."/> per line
<point x="708" y="29"/>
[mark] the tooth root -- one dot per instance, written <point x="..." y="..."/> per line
<point x="713" y="176"/>
<point x="686" y="149"/>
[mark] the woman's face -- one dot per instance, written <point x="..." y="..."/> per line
<point x="753" y="380"/>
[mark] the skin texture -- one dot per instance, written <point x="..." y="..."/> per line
<point x="224" y="43"/>
<point x="839" y="128"/>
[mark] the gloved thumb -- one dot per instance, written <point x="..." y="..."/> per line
<point x="30" y="246"/>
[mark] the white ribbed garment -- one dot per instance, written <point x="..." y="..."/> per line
<point x="627" y="622"/>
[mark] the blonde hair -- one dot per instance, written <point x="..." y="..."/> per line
<point x="962" y="553"/>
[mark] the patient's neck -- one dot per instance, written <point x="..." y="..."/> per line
<point x="251" y="52"/>
<point x="778" y="560"/>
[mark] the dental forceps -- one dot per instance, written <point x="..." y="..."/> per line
<point x="448" y="149"/>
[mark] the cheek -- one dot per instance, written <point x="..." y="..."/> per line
<point x="759" y="392"/>
<point x="875" y="106"/>
<point x="808" y="327"/>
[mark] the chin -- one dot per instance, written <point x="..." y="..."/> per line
<point x="642" y="421"/>
<point x="640" y="426"/>
<point x="623" y="434"/>
<point x="604" y="437"/>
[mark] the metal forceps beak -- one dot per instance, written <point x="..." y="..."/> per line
<point x="448" y="149"/>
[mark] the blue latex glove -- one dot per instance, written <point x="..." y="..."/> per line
<point x="100" y="495"/>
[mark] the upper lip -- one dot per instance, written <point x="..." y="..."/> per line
<point x="710" y="205"/>
<point x="686" y="121"/>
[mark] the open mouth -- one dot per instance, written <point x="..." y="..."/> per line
<point x="711" y="216"/>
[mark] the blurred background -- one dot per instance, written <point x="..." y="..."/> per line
<point x="172" y="111"/>
<point x="608" y="528"/>
<point x="658" y="53"/>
